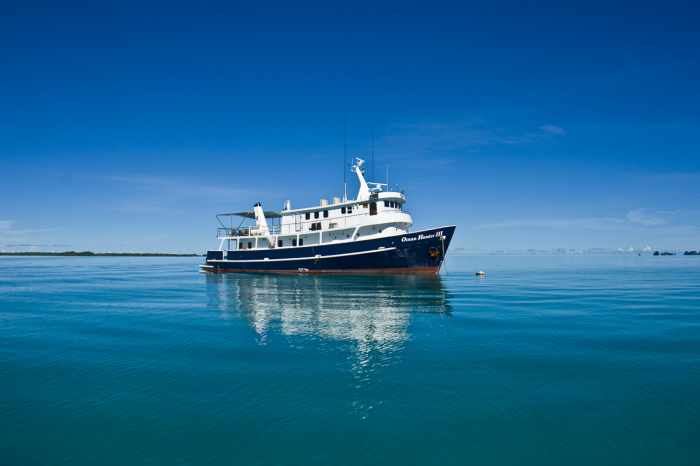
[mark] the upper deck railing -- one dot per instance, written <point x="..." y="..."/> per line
<point x="304" y="226"/>
<point x="249" y="231"/>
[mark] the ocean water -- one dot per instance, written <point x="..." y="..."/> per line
<point x="545" y="360"/>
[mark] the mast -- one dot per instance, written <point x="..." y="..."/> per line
<point x="345" y="158"/>
<point x="372" y="151"/>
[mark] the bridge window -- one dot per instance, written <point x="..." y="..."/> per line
<point x="350" y="209"/>
<point x="391" y="204"/>
<point x="386" y="203"/>
<point x="325" y="214"/>
<point x="316" y="214"/>
<point x="342" y="210"/>
<point x="308" y="215"/>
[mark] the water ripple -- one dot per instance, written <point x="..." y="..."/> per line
<point x="544" y="360"/>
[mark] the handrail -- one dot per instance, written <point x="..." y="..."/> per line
<point x="226" y="232"/>
<point x="343" y="217"/>
<point x="277" y="229"/>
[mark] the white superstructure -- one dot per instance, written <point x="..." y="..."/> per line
<point x="372" y="214"/>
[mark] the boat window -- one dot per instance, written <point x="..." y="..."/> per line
<point x="308" y="215"/>
<point x="294" y="242"/>
<point x="325" y="214"/>
<point x="316" y="214"/>
<point x="350" y="209"/>
<point x="301" y="241"/>
<point x="250" y="245"/>
<point x="342" y="210"/>
<point x="364" y="206"/>
<point x="391" y="204"/>
<point x="386" y="203"/>
<point x="279" y="243"/>
<point x="240" y="245"/>
<point x="373" y="208"/>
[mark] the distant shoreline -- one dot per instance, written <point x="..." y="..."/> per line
<point x="90" y="254"/>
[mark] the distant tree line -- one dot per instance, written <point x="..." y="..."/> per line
<point x="90" y="253"/>
<point x="687" y="253"/>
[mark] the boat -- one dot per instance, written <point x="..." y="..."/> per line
<point x="370" y="234"/>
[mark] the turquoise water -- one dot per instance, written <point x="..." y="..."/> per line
<point x="545" y="360"/>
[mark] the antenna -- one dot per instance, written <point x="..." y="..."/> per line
<point x="345" y="158"/>
<point x="372" y="151"/>
<point x="387" y="177"/>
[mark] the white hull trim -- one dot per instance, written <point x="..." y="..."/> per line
<point x="316" y="257"/>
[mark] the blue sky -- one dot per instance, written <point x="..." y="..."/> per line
<point x="126" y="126"/>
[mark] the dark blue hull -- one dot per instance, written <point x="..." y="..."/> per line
<point x="418" y="252"/>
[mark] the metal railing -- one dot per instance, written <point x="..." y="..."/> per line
<point x="304" y="225"/>
<point x="248" y="232"/>
<point x="341" y="222"/>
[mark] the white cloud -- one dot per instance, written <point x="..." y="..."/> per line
<point x="447" y="135"/>
<point x="8" y="235"/>
<point x="638" y="216"/>
<point x="551" y="129"/>
<point x="179" y="187"/>
<point x="6" y="224"/>
<point x="594" y="223"/>
<point x="155" y="194"/>
<point x="647" y="249"/>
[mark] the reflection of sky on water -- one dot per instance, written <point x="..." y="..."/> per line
<point x="366" y="317"/>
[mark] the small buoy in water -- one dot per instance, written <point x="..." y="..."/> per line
<point x="480" y="273"/>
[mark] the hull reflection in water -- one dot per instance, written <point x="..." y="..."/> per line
<point x="371" y="312"/>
